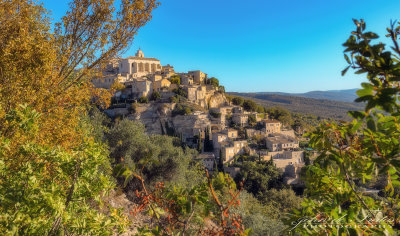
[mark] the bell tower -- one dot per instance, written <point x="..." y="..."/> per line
<point x="139" y="53"/>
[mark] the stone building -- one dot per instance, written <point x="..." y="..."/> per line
<point x="231" y="149"/>
<point x="231" y="133"/>
<point x="167" y="71"/>
<point x="141" y="87"/>
<point x="279" y="142"/>
<point x="218" y="138"/>
<point x="198" y="76"/>
<point x="139" y="65"/>
<point x="253" y="133"/>
<point x="196" y="94"/>
<point x="208" y="159"/>
<point x="160" y="84"/>
<point x="108" y="80"/>
<point x="240" y="119"/>
<point x="186" y="80"/>
<point x="272" y="127"/>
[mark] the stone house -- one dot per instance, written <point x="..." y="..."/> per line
<point x="186" y="80"/>
<point x="196" y="94"/>
<point x="231" y="133"/>
<point x="291" y="163"/>
<point x="272" y="127"/>
<point x="106" y="81"/>
<point x="231" y="149"/>
<point x="218" y="138"/>
<point x="240" y="119"/>
<point x="160" y="84"/>
<point x="198" y="76"/>
<point x="279" y="142"/>
<point x="208" y="159"/>
<point x="142" y="88"/>
<point x="253" y="133"/>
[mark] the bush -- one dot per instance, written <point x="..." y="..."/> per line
<point x="249" y="105"/>
<point x="175" y="79"/>
<point x="143" y="99"/>
<point x="181" y="92"/>
<point x="182" y="110"/>
<point x="237" y="101"/>
<point x="155" y="96"/>
<point x="215" y="114"/>
<point x="252" y="120"/>
<point x="213" y="81"/>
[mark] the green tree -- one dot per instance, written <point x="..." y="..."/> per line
<point x="175" y="79"/>
<point x="260" y="109"/>
<point x="159" y="157"/>
<point x="237" y="101"/>
<point x="355" y="152"/>
<point x="181" y="92"/>
<point x="249" y="105"/>
<point x="213" y="81"/>
<point x="252" y="120"/>
<point x="259" y="177"/>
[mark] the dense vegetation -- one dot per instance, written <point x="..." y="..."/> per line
<point x="360" y="152"/>
<point x="60" y="157"/>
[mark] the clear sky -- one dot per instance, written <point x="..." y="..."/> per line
<point x="258" y="45"/>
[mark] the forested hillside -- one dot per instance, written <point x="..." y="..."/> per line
<point x="318" y="107"/>
<point x="345" y="95"/>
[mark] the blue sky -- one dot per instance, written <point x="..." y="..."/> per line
<point x="258" y="45"/>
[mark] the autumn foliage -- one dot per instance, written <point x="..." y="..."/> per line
<point x="51" y="170"/>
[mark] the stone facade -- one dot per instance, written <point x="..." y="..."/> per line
<point x="232" y="149"/>
<point x="160" y="84"/>
<point x="208" y="159"/>
<point x="279" y="142"/>
<point x="198" y="76"/>
<point x="240" y="119"/>
<point x="139" y="65"/>
<point x="231" y="133"/>
<point x="272" y="127"/>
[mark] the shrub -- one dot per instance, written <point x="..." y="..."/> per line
<point x="175" y="79"/>
<point x="213" y="81"/>
<point x="249" y="105"/>
<point x="182" y="110"/>
<point x="143" y="99"/>
<point x="215" y="114"/>
<point x="237" y="101"/>
<point x="181" y="92"/>
<point x="155" y="96"/>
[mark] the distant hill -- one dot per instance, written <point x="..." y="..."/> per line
<point x="323" y="108"/>
<point x="346" y="95"/>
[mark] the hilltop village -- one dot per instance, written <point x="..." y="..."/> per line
<point x="194" y="108"/>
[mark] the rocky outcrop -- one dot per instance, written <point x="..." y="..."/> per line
<point x="217" y="100"/>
